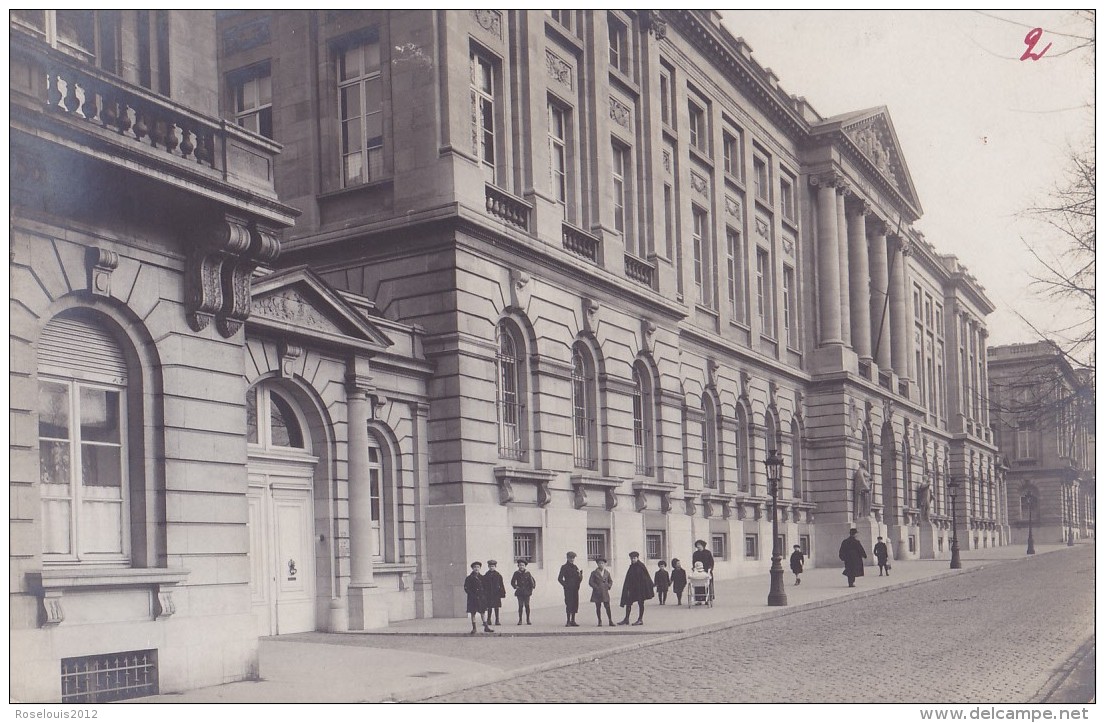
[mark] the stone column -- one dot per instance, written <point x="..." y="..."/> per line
<point x="843" y="253"/>
<point x="983" y="380"/>
<point x="828" y="263"/>
<point x="860" y="281"/>
<point x="880" y="318"/>
<point x="899" y="312"/>
<point x="364" y="607"/>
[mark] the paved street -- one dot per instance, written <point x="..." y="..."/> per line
<point x="995" y="635"/>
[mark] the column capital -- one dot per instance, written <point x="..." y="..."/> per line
<point x="826" y="179"/>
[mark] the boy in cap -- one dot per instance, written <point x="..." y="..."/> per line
<point x="663" y="581"/>
<point x="524" y="584"/>
<point x="570" y="578"/>
<point x="493" y="591"/>
<point x="473" y="588"/>
<point x="796" y="560"/>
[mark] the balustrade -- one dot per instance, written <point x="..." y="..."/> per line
<point x="507" y="208"/>
<point x="580" y="243"/>
<point x="639" y="270"/>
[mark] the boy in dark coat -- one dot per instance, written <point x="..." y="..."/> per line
<point x="881" y="553"/>
<point x="852" y="555"/>
<point x="473" y="588"/>
<point x="796" y="560"/>
<point x="636" y="589"/>
<point x="570" y="578"/>
<point x="678" y="580"/>
<point x="524" y="585"/>
<point x="600" y="583"/>
<point x="663" y="581"/>
<point x="493" y="591"/>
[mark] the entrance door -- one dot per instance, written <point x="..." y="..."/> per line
<point x="281" y="532"/>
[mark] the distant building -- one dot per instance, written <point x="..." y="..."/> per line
<point x="1043" y="411"/>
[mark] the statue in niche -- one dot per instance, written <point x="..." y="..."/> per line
<point x="861" y="492"/>
<point x="924" y="499"/>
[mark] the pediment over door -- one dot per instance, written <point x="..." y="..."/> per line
<point x="297" y="301"/>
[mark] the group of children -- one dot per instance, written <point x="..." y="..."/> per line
<point x="485" y="592"/>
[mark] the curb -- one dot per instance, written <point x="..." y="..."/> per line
<point x="455" y="685"/>
<point x="1055" y="677"/>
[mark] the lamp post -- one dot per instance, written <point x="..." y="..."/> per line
<point x="953" y="488"/>
<point x="777" y="596"/>
<point x="1031" y="500"/>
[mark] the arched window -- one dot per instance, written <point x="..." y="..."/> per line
<point x="273" y="422"/>
<point x="797" y="459"/>
<point x="643" y="424"/>
<point x="510" y="393"/>
<point x="584" y="393"/>
<point x="709" y="442"/>
<point x="84" y="453"/>
<point x="743" y="439"/>
<point x="376" y="498"/>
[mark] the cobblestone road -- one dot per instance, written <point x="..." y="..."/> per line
<point x="984" y="637"/>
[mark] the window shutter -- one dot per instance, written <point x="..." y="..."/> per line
<point x="81" y="349"/>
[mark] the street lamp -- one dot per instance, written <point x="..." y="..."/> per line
<point x="1031" y="504"/>
<point x="953" y="489"/>
<point x="777" y="596"/>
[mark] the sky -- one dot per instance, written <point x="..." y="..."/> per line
<point x="985" y="135"/>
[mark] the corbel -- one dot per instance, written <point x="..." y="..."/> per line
<point x="101" y="263"/>
<point x="53" y="613"/>
<point x="165" y="605"/>
<point x="263" y="248"/>
<point x="611" y="498"/>
<point x="544" y="494"/>
<point x="506" y="490"/>
<point x="203" y="285"/>
<point x="640" y="500"/>
<point x="580" y="497"/>
<point x="289" y="356"/>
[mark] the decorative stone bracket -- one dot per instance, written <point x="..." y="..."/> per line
<point x="581" y="483"/>
<point x="641" y="487"/>
<point x="101" y="263"/>
<point x="507" y="477"/>
<point x="712" y="499"/>
<point x="51" y="585"/>
<point x="218" y="273"/>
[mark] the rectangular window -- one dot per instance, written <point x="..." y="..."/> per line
<point x="751" y="545"/>
<point x="362" y="116"/>
<point x="790" y="308"/>
<point x="912" y="543"/>
<point x="702" y="275"/>
<point x="153" y="50"/>
<point x="719" y="545"/>
<point x="619" y="44"/>
<point x="697" y="128"/>
<point x="786" y="198"/>
<point x="559" y="158"/>
<point x="734" y="255"/>
<point x="597" y="544"/>
<point x="669" y="220"/>
<point x="654" y="544"/>
<point x="253" y="102"/>
<point x="82" y="470"/>
<point x="764" y="307"/>
<point x="483" y="89"/>
<point x="564" y="17"/>
<point x="526" y="540"/>
<point x="762" y="178"/>
<point x="917" y="303"/>
<point x="621" y="169"/>
<point x="665" y="97"/>
<point x="804" y="543"/>
<point x="1026" y="440"/>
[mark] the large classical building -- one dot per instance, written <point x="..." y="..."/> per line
<point x="556" y="281"/>
<point x="1043" y="417"/>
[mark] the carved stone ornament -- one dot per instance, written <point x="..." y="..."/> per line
<point x="558" y="69"/>
<point x="291" y="306"/>
<point x="101" y="263"/>
<point x="699" y="184"/>
<point x="707" y="508"/>
<point x="611" y="498"/>
<point x="665" y="502"/>
<point x="640" y="500"/>
<point x="490" y="20"/>
<point x="648" y="333"/>
<point x="165" y="605"/>
<point x="745" y="382"/>
<point x="667" y="161"/>
<point x="203" y="287"/>
<point x="289" y="355"/>
<point x="580" y="497"/>
<point x="621" y="114"/>
<point x="544" y="494"/>
<point x="691" y="507"/>
<point x="762" y="228"/>
<point x="53" y="614"/>
<point x="733" y="207"/>
<point x="590" y="312"/>
<point x="506" y="490"/>
<point x="655" y="24"/>
<point x="711" y="372"/>
<point x="788" y="246"/>
<point x="772" y="394"/>
<point x="742" y="512"/>
<point x="520" y="288"/>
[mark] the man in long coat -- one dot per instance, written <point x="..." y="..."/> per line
<point x="636" y="589"/>
<point x="852" y="554"/>
<point x="570" y="578"/>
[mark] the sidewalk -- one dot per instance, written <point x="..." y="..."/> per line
<point x="417" y="659"/>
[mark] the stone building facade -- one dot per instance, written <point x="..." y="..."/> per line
<point x="190" y="408"/>
<point x="383" y="292"/>
<point x="640" y="266"/>
<point x="1043" y="415"/>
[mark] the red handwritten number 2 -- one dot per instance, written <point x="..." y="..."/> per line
<point x="1030" y="40"/>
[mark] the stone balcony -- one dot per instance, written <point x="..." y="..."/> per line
<point x="72" y="106"/>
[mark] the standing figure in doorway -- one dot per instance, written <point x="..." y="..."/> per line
<point x="570" y="578"/>
<point x="852" y="555"/>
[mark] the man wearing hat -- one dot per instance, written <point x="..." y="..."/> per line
<point x="852" y="555"/>
<point x="636" y="589"/>
<point x="882" y="552"/>
<point x="570" y="578"/>
<point x="493" y="591"/>
<point x="797" y="562"/>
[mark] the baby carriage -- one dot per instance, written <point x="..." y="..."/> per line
<point x="698" y="587"/>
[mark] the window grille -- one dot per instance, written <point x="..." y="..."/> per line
<point x="105" y="678"/>
<point x="654" y="545"/>
<point x="596" y="545"/>
<point x="525" y="545"/>
<point x="717" y="546"/>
